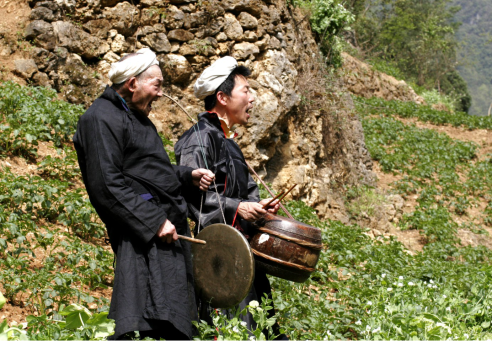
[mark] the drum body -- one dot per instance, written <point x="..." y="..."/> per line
<point x="286" y="248"/>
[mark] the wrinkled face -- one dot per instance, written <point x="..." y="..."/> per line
<point x="147" y="90"/>
<point x="240" y="102"/>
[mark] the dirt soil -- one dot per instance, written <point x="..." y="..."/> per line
<point x="411" y="238"/>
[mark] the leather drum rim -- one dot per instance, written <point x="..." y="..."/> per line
<point x="282" y="262"/>
<point x="224" y="267"/>
<point x="292" y="239"/>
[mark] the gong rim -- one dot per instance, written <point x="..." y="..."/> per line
<point x="224" y="267"/>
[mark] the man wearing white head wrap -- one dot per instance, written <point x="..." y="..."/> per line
<point x="214" y="76"/>
<point x="132" y="65"/>
<point x="137" y="193"/>
<point x="228" y="100"/>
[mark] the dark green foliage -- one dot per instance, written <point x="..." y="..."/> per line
<point x="328" y="19"/>
<point x="30" y="115"/>
<point x="417" y="36"/>
<point x="454" y="85"/>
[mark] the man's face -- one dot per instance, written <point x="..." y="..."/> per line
<point x="147" y="90"/>
<point x="240" y="102"/>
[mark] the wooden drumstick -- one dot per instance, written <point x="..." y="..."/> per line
<point x="186" y="238"/>
<point x="268" y="190"/>
<point x="287" y="192"/>
<point x="272" y="200"/>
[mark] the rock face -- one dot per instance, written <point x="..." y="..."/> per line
<point x="319" y="148"/>
<point x="363" y="80"/>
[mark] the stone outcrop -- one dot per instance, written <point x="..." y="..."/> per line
<point x="318" y="148"/>
<point x="363" y="80"/>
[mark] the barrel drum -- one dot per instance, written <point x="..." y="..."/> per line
<point x="286" y="248"/>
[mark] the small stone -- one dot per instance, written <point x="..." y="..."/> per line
<point x="98" y="27"/>
<point x="244" y="50"/>
<point x="177" y="67"/>
<point x="180" y="35"/>
<point x="118" y="43"/>
<point x="25" y="67"/>
<point x="112" y="33"/>
<point x="175" y="47"/>
<point x="111" y="57"/>
<point x="42" y="13"/>
<point x="41" y="57"/>
<point x="222" y="49"/>
<point x="232" y="27"/>
<point x="247" y="21"/>
<point x="42" y="32"/>
<point x="174" y="18"/>
<point x="274" y="43"/>
<point x="157" y="42"/>
<point x="221" y="37"/>
<point x="42" y="79"/>
<point x="250" y="36"/>
<point x="264" y="43"/>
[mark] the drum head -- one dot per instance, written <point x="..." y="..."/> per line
<point x="223" y="268"/>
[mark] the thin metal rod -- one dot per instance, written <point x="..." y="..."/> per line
<point x="186" y="238"/>
<point x="267" y="188"/>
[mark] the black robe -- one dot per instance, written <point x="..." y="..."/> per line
<point x="234" y="183"/>
<point x="224" y="158"/>
<point x="134" y="188"/>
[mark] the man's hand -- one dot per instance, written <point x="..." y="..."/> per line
<point x="251" y="211"/>
<point x="202" y="178"/>
<point x="167" y="232"/>
<point x="273" y="207"/>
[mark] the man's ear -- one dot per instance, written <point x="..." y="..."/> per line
<point x="132" y="84"/>
<point x="222" y="98"/>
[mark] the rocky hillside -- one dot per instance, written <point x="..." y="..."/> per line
<point x="301" y="131"/>
<point x="304" y="128"/>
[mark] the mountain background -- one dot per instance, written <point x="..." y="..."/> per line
<point x="474" y="53"/>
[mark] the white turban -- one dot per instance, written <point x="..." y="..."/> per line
<point x="214" y="76"/>
<point x="132" y="66"/>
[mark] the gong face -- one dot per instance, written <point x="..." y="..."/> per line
<point x="224" y="267"/>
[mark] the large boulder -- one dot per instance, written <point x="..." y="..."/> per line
<point x="42" y="32"/>
<point x="180" y="35"/>
<point x="78" y="41"/>
<point x="177" y="68"/>
<point x="25" y="67"/>
<point x="158" y="42"/>
<point x="232" y="27"/>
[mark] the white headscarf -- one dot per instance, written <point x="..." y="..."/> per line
<point x="132" y="66"/>
<point x="214" y="76"/>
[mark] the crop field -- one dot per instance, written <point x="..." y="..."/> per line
<point x="56" y="266"/>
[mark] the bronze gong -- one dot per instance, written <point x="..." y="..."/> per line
<point x="224" y="267"/>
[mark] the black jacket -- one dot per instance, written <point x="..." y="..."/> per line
<point x="121" y="157"/>
<point x="224" y="158"/>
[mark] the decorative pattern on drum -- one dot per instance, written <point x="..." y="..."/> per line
<point x="224" y="267"/>
<point x="286" y="248"/>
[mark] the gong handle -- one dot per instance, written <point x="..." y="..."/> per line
<point x="186" y="238"/>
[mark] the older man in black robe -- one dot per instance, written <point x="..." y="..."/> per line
<point x="137" y="192"/>
<point x="210" y="143"/>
